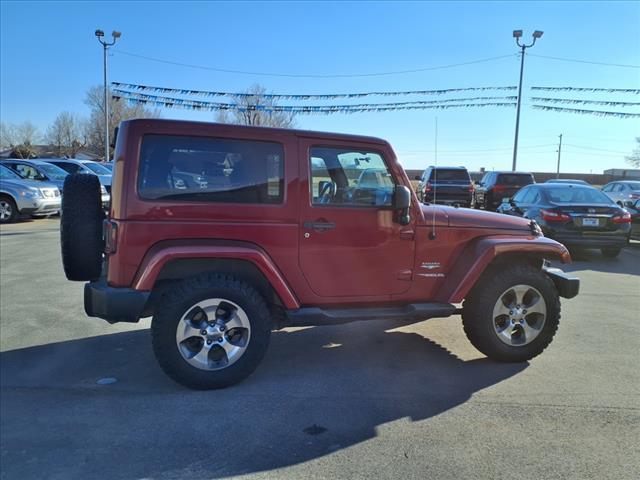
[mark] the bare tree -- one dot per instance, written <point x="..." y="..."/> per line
<point x="66" y="135"/>
<point x="19" y="138"/>
<point x="634" y="158"/>
<point x="249" y="115"/>
<point x="119" y="110"/>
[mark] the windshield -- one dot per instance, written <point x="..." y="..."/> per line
<point x="53" y="172"/>
<point x="568" y="195"/>
<point x="452" y="175"/>
<point x="514" y="179"/>
<point x="7" y="174"/>
<point x="97" y="168"/>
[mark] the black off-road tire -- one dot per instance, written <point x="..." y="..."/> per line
<point x="181" y="297"/>
<point x="477" y="311"/>
<point x="81" y="218"/>
<point x="611" y="252"/>
<point x="11" y="205"/>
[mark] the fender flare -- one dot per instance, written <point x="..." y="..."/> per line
<point x="165" y="252"/>
<point x="475" y="258"/>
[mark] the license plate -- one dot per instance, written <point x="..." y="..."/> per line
<point x="590" y="222"/>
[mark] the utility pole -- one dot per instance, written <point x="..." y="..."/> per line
<point x="517" y="34"/>
<point x="559" y="150"/>
<point x="105" y="46"/>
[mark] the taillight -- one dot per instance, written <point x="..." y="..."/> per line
<point x="551" y="216"/>
<point x="471" y="188"/>
<point x="110" y="236"/>
<point x="622" y="218"/>
<point x="427" y="187"/>
<point x="634" y="196"/>
<point x="499" y="188"/>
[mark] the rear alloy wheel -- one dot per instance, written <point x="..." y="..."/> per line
<point x="8" y="210"/>
<point x="210" y="331"/>
<point x="611" y="252"/>
<point x="512" y="313"/>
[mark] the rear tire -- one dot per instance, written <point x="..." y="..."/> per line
<point x="8" y="209"/>
<point x="531" y="332"/>
<point x="186" y="336"/>
<point x="611" y="252"/>
<point x="81" y="219"/>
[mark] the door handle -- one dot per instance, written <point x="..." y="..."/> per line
<point x="319" y="226"/>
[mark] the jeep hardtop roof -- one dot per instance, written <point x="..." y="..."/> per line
<point x="187" y="126"/>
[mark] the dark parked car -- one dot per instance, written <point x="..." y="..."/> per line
<point x="634" y="209"/>
<point x="495" y="186"/>
<point x="575" y="215"/>
<point x="622" y="191"/>
<point x="446" y="185"/>
<point x="569" y="181"/>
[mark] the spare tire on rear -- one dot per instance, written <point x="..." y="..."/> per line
<point x="81" y="227"/>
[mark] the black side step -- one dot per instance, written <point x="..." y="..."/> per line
<point x="311" y="316"/>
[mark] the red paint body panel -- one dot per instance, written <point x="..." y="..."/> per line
<point x="367" y="259"/>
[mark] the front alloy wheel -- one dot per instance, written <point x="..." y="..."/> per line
<point x="519" y="315"/>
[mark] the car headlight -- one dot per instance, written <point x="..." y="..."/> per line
<point x="31" y="193"/>
<point x="103" y="190"/>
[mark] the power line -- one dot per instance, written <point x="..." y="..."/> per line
<point x="304" y="75"/>
<point x="634" y="91"/>
<point x="597" y="113"/>
<point x="484" y="149"/>
<point x="590" y="62"/>
<point x="596" y="149"/>
<point x="585" y="102"/>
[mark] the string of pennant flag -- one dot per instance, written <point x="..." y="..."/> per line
<point x="133" y="94"/>
<point x="283" y="96"/>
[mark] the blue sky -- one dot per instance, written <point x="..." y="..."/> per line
<point x="49" y="57"/>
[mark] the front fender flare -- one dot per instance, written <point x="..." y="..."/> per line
<point x="475" y="258"/>
<point x="160" y="255"/>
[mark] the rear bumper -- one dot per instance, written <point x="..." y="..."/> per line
<point x="114" y="304"/>
<point x="591" y="241"/>
<point x="568" y="287"/>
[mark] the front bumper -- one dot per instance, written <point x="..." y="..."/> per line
<point x="40" y="206"/>
<point x="114" y="304"/>
<point x="568" y="287"/>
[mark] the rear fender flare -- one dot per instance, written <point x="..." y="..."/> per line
<point x="478" y="255"/>
<point x="161" y="255"/>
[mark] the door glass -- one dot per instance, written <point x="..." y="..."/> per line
<point x="349" y="177"/>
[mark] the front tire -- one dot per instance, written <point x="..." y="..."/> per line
<point x="611" y="252"/>
<point x="512" y="314"/>
<point x="8" y="209"/>
<point x="210" y="331"/>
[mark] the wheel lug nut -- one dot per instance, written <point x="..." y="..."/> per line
<point x="209" y="342"/>
<point x="221" y="329"/>
<point x="203" y="332"/>
<point x="524" y="311"/>
<point x="219" y="339"/>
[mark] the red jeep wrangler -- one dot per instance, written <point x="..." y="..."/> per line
<point x="223" y="233"/>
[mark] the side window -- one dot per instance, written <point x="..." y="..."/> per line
<point x="617" y="187"/>
<point x="69" y="167"/>
<point x="343" y="176"/>
<point x="201" y="169"/>
<point x="27" y="171"/>
<point x="607" y="188"/>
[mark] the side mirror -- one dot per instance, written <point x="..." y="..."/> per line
<point x="628" y="203"/>
<point x="401" y="203"/>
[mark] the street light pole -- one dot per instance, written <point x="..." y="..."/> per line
<point x="105" y="46"/>
<point x="559" y="150"/>
<point x="517" y="34"/>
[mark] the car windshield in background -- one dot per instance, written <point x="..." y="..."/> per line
<point x="453" y="175"/>
<point x="569" y="195"/>
<point x="97" y="168"/>
<point x="634" y="185"/>
<point x="8" y="174"/>
<point x="53" y="172"/>
<point x="514" y="179"/>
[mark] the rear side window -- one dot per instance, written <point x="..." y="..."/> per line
<point x="514" y="179"/>
<point x="203" y="169"/>
<point x="450" y="175"/>
<point x="69" y="167"/>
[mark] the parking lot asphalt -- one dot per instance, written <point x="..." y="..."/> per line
<point x="369" y="399"/>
